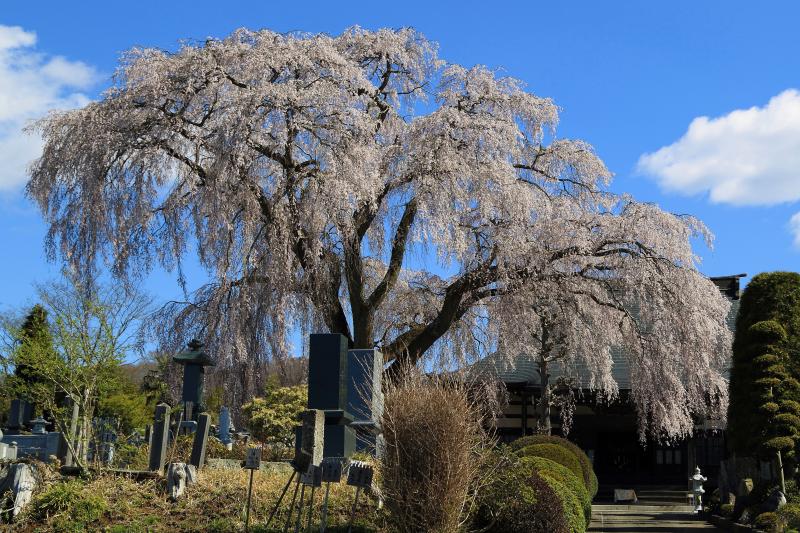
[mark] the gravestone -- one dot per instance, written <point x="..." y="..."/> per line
<point x="200" y="441"/>
<point x="160" y="438"/>
<point x="102" y="446"/>
<point x="225" y="427"/>
<point x="327" y="390"/>
<point x="365" y="396"/>
<point x="194" y="361"/>
<point x="19" y="414"/>
<point x="21" y="483"/>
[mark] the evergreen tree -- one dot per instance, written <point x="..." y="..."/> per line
<point x="35" y="344"/>
<point x="764" y="410"/>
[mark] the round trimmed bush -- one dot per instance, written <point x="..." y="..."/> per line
<point x="589" y="477"/>
<point x="518" y="500"/>
<point x="546" y="467"/>
<point x="576" y="522"/>
<point x="556" y="453"/>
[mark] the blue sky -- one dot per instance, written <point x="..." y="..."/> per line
<point x="631" y="77"/>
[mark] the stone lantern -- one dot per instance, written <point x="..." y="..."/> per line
<point x="194" y="361"/>
<point x="697" y="491"/>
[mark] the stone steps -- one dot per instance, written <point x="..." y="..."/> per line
<point x="617" y="508"/>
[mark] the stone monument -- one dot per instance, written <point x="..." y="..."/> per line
<point x="365" y="396"/>
<point x="327" y="391"/>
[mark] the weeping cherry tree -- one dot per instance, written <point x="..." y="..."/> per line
<point x="359" y="184"/>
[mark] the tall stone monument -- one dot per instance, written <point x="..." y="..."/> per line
<point x="365" y="395"/>
<point x="194" y="361"/>
<point x="327" y="391"/>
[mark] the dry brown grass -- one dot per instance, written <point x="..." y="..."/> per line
<point x="434" y="450"/>
<point x="215" y="503"/>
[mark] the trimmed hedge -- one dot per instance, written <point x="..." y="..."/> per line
<point x="518" y="500"/>
<point x="573" y="483"/>
<point x="571" y="505"/>
<point x="589" y="477"/>
<point x="556" y="453"/>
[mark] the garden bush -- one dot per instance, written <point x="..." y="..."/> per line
<point x="589" y="477"/>
<point x="556" y="453"/>
<point x="71" y="505"/>
<point x="516" y="499"/>
<point x="768" y="522"/>
<point x="545" y="466"/>
<point x="573" y="511"/>
<point x="434" y="445"/>
<point x="789" y="516"/>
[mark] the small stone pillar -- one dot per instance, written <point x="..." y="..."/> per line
<point x="308" y="451"/>
<point x="200" y="441"/>
<point x="160" y="438"/>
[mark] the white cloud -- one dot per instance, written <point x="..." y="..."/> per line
<point x="794" y="227"/>
<point x="31" y="84"/>
<point x="747" y="157"/>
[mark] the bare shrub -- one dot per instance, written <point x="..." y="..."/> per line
<point x="434" y="447"/>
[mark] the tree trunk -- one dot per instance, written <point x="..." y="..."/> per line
<point x="544" y="427"/>
<point x="86" y="426"/>
<point x="72" y="437"/>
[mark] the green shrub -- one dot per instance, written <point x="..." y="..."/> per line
<point x="589" y="477"/>
<point x="272" y="419"/>
<point x="726" y="510"/>
<point x="767" y="522"/>
<point x="573" y="512"/>
<point x="789" y="516"/>
<point x="556" y="453"/>
<point x="546" y="466"/>
<point x="517" y="500"/>
<point x="71" y="503"/>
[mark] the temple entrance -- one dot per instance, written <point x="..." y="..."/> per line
<point x="620" y="459"/>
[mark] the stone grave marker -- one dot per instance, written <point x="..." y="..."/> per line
<point x="225" y="428"/>
<point x="200" y="443"/>
<point x="160" y="438"/>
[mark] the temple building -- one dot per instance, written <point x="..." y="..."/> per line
<point x="608" y="432"/>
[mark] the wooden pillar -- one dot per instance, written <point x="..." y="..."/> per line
<point x="524" y="412"/>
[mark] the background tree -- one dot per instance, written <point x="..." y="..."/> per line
<point x="32" y="342"/>
<point x="765" y="390"/>
<point x="313" y="172"/>
<point x="125" y="401"/>
<point x="93" y="329"/>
